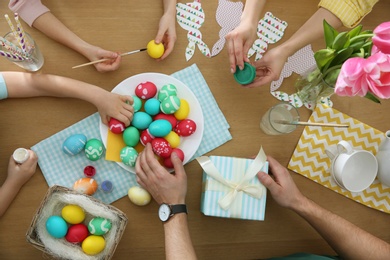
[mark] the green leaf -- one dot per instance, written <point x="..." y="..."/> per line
<point x="340" y="41"/>
<point x="329" y="33"/>
<point x="367" y="48"/>
<point x="323" y="56"/>
<point x="341" y="56"/>
<point x="331" y="78"/>
<point x="355" y="31"/>
<point x="357" y="45"/>
<point x="372" y="97"/>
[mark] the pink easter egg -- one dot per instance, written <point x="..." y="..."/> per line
<point x="186" y="127"/>
<point x="146" y="90"/>
<point x="116" y="126"/>
<point x="146" y="137"/>
<point x="161" y="147"/>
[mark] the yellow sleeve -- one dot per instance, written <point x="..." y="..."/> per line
<point x="350" y="12"/>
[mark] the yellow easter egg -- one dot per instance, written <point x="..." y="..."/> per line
<point x="155" y="50"/>
<point x="183" y="110"/>
<point x="73" y="214"/>
<point x="93" y="245"/>
<point x="139" y="196"/>
<point x="173" y="139"/>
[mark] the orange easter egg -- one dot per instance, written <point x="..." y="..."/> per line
<point x="86" y="185"/>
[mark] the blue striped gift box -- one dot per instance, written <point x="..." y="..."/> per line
<point x="244" y="206"/>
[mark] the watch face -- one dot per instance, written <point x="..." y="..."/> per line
<point x="164" y="212"/>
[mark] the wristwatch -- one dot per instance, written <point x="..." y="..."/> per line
<point x="166" y="211"/>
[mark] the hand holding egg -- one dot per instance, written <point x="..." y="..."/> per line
<point x="155" y="50"/>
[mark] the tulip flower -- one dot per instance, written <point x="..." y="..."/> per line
<point x="381" y="37"/>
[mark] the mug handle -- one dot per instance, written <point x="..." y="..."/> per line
<point x="331" y="152"/>
<point x="344" y="147"/>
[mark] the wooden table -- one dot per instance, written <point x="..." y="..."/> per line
<point x="122" y="26"/>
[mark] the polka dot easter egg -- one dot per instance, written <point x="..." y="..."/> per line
<point x="74" y="144"/>
<point x="186" y="127"/>
<point x="129" y="156"/>
<point x="116" y="126"/>
<point x="146" y="90"/>
<point x="99" y="226"/>
<point x="170" y="105"/>
<point x="86" y="185"/>
<point x="161" y="147"/>
<point x="94" y="149"/>
<point x="146" y="137"/>
<point x="167" y="91"/>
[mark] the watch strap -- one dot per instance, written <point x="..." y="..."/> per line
<point x="178" y="208"/>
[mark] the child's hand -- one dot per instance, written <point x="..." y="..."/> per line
<point x="167" y="33"/>
<point x="117" y="106"/>
<point x="97" y="53"/>
<point x="19" y="174"/>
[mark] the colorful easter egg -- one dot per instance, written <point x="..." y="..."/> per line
<point x="173" y="139"/>
<point x="94" y="149"/>
<point x="146" y="90"/>
<point x="141" y="120"/>
<point x="170" y="105"/>
<point x="152" y="106"/>
<point x="137" y="103"/>
<point x="168" y="162"/>
<point x="160" y="128"/>
<point x="99" y="226"/>
<point x="139" y="196"/>
<point x="170" y="118"/>
<point x="161" y="147"/>
<point x="131" y="136"/>
<point x="183" y="110"/>
<point x="93" y="245"/>
<point x="155" y="50"/>
<point x="77" y="233"/>
<point x="116" y="126"/>
<point x="129" y="156"/>
<point x="73" y="214"/>
<point x="86" y="185"/>
<point x="186" y="127"/>
<point x="56" y="226"/>
<point x="166" y="91"/>
<point x="146" y="137"/>
<point x="74" y="144"/>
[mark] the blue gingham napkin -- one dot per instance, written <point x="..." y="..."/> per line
<point x="62" y="169"/>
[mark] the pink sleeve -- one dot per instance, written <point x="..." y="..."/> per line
<point x="28" y="10"/>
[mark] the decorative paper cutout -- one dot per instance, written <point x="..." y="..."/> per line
<point x="270" y="29"/>
<point x="228" y="17"/>
<point x="190" y="17"/>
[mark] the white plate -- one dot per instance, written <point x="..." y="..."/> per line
<point x="189" y="144"/>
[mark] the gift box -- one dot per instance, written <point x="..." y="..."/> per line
<point x="55" y="199"/>
<point x="231" y="188"/>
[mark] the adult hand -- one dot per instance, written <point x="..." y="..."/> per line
<point x="282" y="186"/>
<point x="19" y="174"/>
<point x="167" y="33"/>
<point x="117" y="106"/>
<point x="165" y="187"/>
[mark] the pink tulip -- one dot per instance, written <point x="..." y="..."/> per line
<point x="377" y="69"/>
<point x="381" y="37"/>
<point x="350" y="81"/>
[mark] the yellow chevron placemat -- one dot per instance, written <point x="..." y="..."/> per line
<point x="309" y="158"/>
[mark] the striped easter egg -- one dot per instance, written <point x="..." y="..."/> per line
<point x="99" y="226"/>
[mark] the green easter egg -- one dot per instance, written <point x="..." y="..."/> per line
<point x="129" y="156"/>
<point x="166" y="91"/>
<point x="99" y="226"/>
<point x="94" y="149"/>
<point x="170" y="105"/>
<point x="131" y="136"/>
<point x="137" y="103"/>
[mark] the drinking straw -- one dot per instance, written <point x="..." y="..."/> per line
<point x="15" y="33"/>
<point x="10" y="55"/>
<point x="285" y="122"/>
<point x="22" y="38"/>
<point x="11" y="47"/>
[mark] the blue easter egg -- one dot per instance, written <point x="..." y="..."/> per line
<point x="160" y="128"/>
<point x="74" y="144"/>
<point x="56" y="226"/>
<point x="141" y="120"/>
<point x="152" y="106"/>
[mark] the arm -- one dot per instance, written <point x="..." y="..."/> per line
<point x="18" y="175"/>
<point x="270" y="66"/>
<point x="241" y="38"/>
<point x="348" y="240"/>
<point x="171" y="189"/>
<point x="167" y="27"/>
<point x="20" y="84"/>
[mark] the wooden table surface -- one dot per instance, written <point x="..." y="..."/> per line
<point x="122" y="26"/>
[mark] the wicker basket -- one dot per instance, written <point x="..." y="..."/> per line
<point x="52" y="205"/>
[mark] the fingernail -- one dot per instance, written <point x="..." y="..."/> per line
<point x="240" y="67"/>
<point x="231" y="70"/>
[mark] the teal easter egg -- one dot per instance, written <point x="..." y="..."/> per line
<point x="129" y="156"/>
<point x="141" y="120"/>
<point x="94" y="149"/>
<point x="160" y="128"/>
<point x="170" y="105"/>
<point x="131" y="136"/>
<point x="166" y="91"/>
<point x="56" y="226"/>
<point x="152" y="106"/>
<point x="137" y="103"/>
<point x="99" y="226"/>
<point x="74" y="144"/>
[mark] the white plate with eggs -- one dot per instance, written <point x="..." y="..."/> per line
<point x="189" y="144"/>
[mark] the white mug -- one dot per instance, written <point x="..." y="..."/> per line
<point x="354" y="170"/>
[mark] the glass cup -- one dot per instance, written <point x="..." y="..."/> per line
<point x="32" y="59"/>
<point x="282" y="112"/>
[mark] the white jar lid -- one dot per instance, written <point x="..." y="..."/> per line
<point x="21" y="155"/>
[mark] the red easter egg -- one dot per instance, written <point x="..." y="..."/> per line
<point x="161" y="147"/>
<point x="146" y="137"/>
<point x="185" y="128"/>
<point x="146" y="90"/>
<point x="168" y="162"/>
<point x="77" y="233"/>
<point x="116" y="126"/>
<point x="169" y="117"/>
